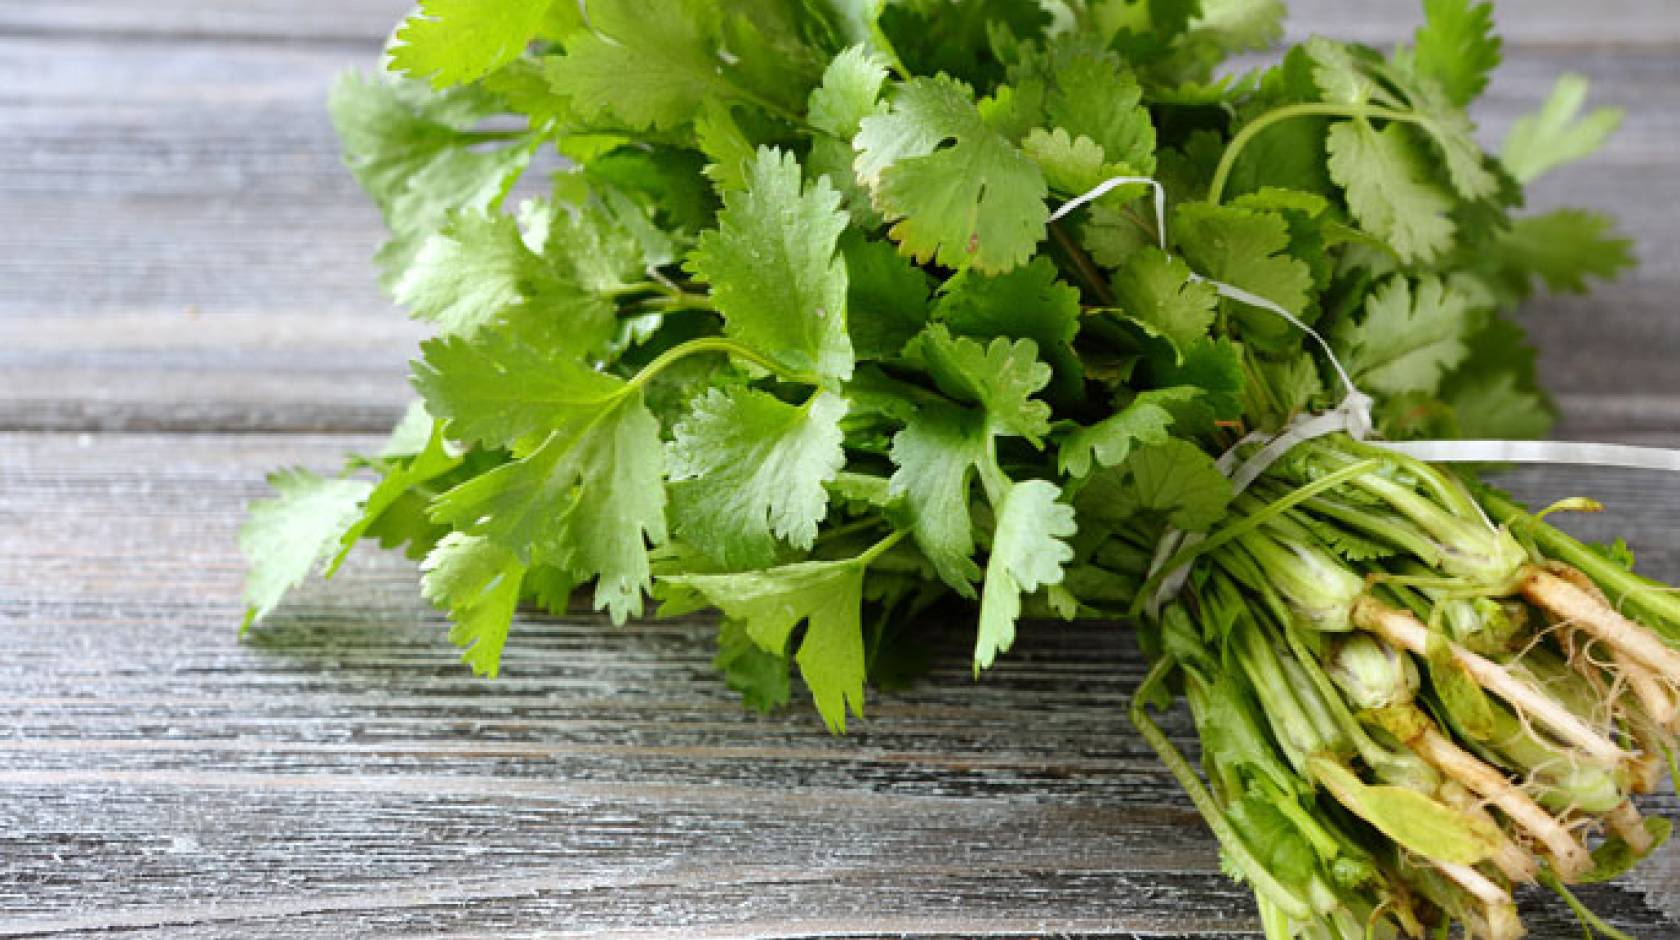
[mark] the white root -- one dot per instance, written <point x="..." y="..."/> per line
<point x="1569" y="857"/>
<point x="1512" y="860"/>
<point x="1626" y="822"/>
<point x="1402" y="629"/>
<point x="1654" y="697"/>
<point x="1499" y="911"/>
<point x="1567" y="601"/>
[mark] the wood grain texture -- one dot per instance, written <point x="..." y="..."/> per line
<point x="341" y="773"/>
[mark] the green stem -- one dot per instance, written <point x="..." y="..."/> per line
<point x="1584" y="914"/>
<point x="1237" y="850"/>
<point x="1248" y="524"/>
<point x="850" y="528"/>
<point x="706" y="344"/>
<point x="1088" y="272"/>
<point x="1655" y="605"/>
<point x="881" y="548"/>
<point x="1254" y="128"/>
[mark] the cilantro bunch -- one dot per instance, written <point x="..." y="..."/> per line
<point x="789" y="333"/>
<point x="762" y="307"/>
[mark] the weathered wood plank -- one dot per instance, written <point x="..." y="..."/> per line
<point x="341" y="772"/>
<point x="250" y="304"/>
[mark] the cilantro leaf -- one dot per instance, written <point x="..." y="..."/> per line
<point x="748" y="468"/>
<point x="1095" y="96"/>
<point x="1558" y="134"/>
<point x="1110" y="441"/>
<point x="455" y="41"/>
<point x="412" y="152"/>
<point x="1389" y="190"/>
<point x="1028" y="553"/>
<point x="1030" y="302"/>
<point x="1157" y="291"/>
<point x="1494" y="392"/>
<point x="850" y="91"/>
<point x="760" y="677"/>
<point x="395" y="488"/>
<point x="935" y="455"/>
<point x="1409" y="337"/>
<point x="478" y="266"/>
<point x="1562" y="249"/>
<point x="1456" y="47"/>
<point x="501" y="390"/>
<point x="1212" y="366"/>
<point x="288" y="537"/>
<point x="1177" y="478"/>
<point x="886" y="297"/>
<point x="1002" y="377"/>
<point x="1246" y="248"/>
<point x="588" y="500"/>
<point x="478" y="582"/>
<point x="775" y="270"/>
<point x="978" y="202"/>
<point x="655" y="63"/>
<point x="827" y="596"/>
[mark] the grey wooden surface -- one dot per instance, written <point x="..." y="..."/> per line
<point x="186" y="302"/>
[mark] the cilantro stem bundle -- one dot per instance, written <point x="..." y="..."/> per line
<point x="792" y="334"/>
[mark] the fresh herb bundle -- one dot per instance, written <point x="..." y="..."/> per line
<point x="794" y="335"/>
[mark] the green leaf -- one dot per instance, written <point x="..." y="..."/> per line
<point x="1096" y="96"/>
<point x="1389" y="189"/>
<point x="1001" y="377"/>
<point x="1409" y="337"/>
<point x="1215" y="368"/>
<point x="1157" y="291"/>
<point x="1178" y="479"/>
<point x="1028" y="552"/>
<point x="956" y="37"/>
<point x="760" y="677"/>
<point x="395" y="489"/>
<point x="935" y="455"/>
<point x="1558" y="134"/>
<point x="588" y="500"/>
<point x="478" y="267"/>
<point x="775" y="270"/>
<point x="1241" y="25"/>
<point x="1030" y="302"/>
<point x="477" y="581"/>
<point x="501" y="390"/>
<point x="411" y="150"/>
<point x="957" y="191"/>
<point x="1071" y="165"/>
<point x="655" y="63"/>
<point x="1457" y="48"/>
<point x="1247" y="248"/>
<point x="1110" y="441"/>
<point x="1561" y="248"/>
<point x="455" y="41"/>
<point x="1494" y="393"/>
<point x="886" y="297"/>
<point x="288" y="537"/>
<point x="850" y="91"/>
<point x="827" y="596"/>
<point x="722" y="140"/>
<point x="747" y="468"/>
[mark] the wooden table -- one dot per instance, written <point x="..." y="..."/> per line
<point x="186" y="301"/>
